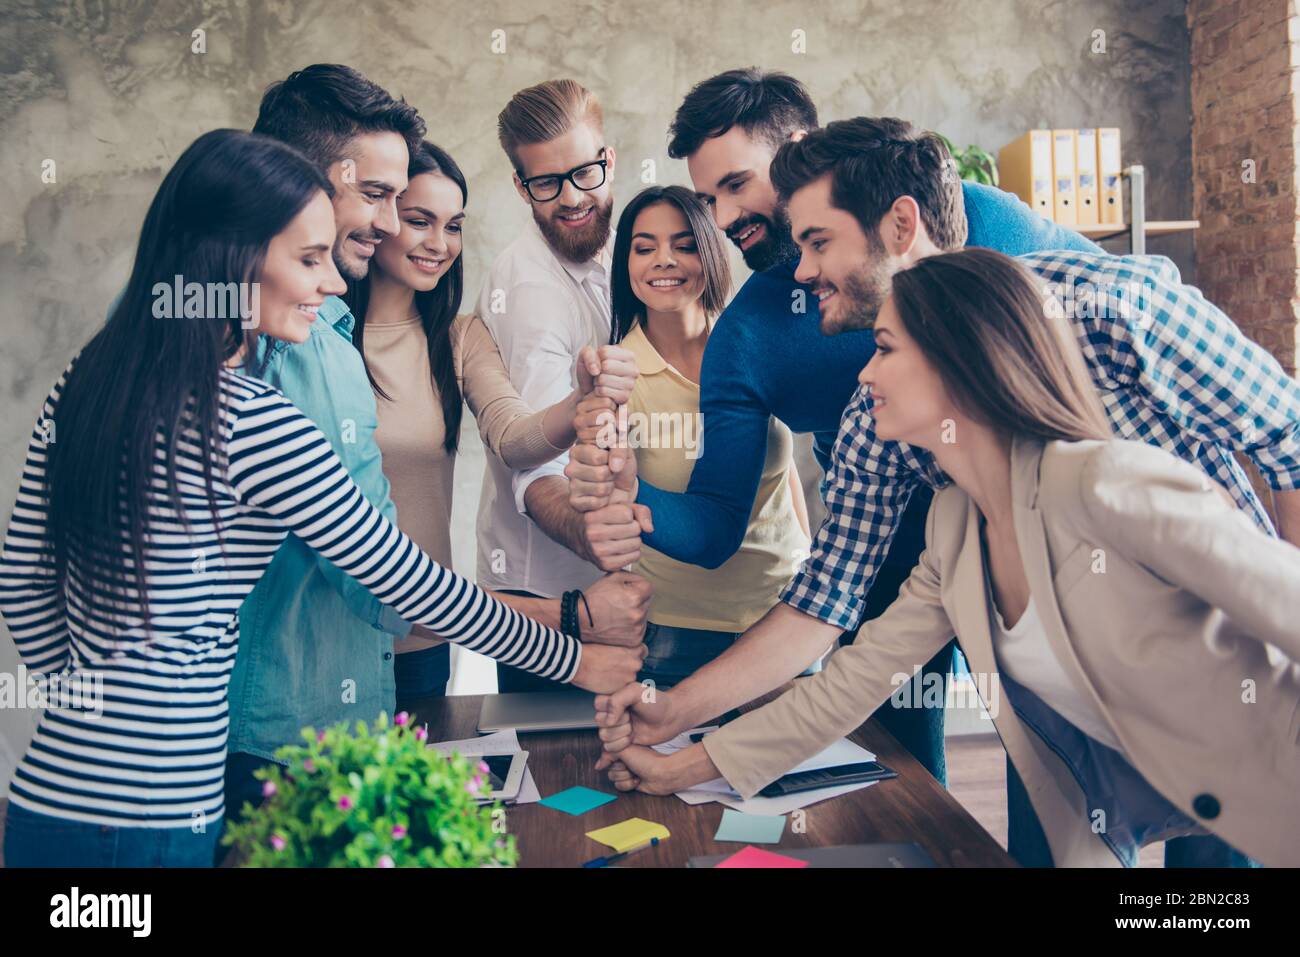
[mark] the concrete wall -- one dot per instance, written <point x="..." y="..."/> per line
<point x="110" y="90"/>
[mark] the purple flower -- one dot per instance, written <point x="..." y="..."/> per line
<point x="268" y="788"/>
<point x="320" y="737"/>
<point x="474" y="785"/>
<point x="482" y="766"/>
<point x="385" y="861"/>
<point x="277" y="842"/>
<point x="402" y="718"/>
<point x="345" y="803"/>
<point x="399" y="832"/>
<point x="421" y="733"/>
<point x="309" y="766"/>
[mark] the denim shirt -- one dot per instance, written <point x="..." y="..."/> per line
<point x="315" y="647"/>
<point x="1125" y="811"/>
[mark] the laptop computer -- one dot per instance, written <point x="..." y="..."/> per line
<point x="570" y="710"/>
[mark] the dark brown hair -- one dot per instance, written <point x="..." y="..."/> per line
<point x="872" y="162"/>
<point x="1007" y="360"/>
<point x="321" y="109"/>
<point x="766" y="104"/>
<point x="625" y="307"/>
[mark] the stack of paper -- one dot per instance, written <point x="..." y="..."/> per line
<point x="500" y="742"/>
<point x="841" y="752"/>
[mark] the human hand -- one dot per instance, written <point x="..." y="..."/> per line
<point x="605" y="668"/>
<point x="618" y="604"/>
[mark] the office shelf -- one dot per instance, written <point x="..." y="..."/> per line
<point x="1137" y="229"/>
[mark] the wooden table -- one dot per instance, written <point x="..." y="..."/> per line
<point x="911" y="807"/>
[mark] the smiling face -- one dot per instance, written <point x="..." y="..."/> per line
<point x="909" y="402"/>
<point x="849" y="273"/>
<point x="432" y="216"/>
<point x="663" y="262"/>
<point x="730" y="174"/>
<point x="298" y="273"/>
<point x="576" y="222"/>
<point x="366" y="183"/>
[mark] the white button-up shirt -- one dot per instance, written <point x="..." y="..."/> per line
<point x="541" y="309"/>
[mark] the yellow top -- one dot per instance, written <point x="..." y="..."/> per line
<point x="664" y="426"/>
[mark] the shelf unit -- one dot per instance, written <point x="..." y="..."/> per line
<point x="1137" y="229"/>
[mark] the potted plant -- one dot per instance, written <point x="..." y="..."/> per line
<point x="372" y="797"/>
<point x="973" y="164"/>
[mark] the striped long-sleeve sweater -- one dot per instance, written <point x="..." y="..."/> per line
<point x="152" y="752"/>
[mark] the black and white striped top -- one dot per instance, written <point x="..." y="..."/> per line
<point x="155" y="755"/>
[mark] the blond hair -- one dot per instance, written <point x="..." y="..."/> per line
<point x="543" y="112"/>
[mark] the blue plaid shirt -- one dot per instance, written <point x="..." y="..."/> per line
<point x="1173" y="371"/>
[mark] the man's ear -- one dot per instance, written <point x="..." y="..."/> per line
<point x="609" y="163"/>
<point x="519" y="188"/>
<point x="901" y="226"/>
<point x="797" y="135"/>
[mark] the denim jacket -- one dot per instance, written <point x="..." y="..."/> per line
<point x="316" y="647"/>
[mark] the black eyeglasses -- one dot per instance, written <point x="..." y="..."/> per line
<point x="586" y="177"/>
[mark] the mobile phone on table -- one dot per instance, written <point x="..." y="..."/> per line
<point x="828" y="778"/>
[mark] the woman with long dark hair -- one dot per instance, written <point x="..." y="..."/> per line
<point x="669" y="281"/>
<point x="159" y="482"/>
<point x="1131" y="631"/>
<point x="426" y="361"/>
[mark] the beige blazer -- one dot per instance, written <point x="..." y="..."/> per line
<point x="1169" y="609"/>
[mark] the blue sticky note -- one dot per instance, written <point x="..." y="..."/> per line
<point x="577" y="800"/>
<point x="750" y="828"/>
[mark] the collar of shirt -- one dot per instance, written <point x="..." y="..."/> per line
<point x="595" y="269"/>
<point x="334" y="312"/>
<point x="648" y="360"/>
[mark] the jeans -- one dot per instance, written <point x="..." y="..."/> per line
<point x="421" y="674"/>
<point x="1027" y="843"/>
<point x="241" y="787"/>
<point x="673" y="654"/>
<point x="33" y="839"/>
<point x="918" y="729"/>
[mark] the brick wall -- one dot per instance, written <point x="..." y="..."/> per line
<point x="1244" y="127"/>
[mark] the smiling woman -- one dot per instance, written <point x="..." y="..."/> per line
<point x="175" y="479"/>
<point x="425" y="363"/>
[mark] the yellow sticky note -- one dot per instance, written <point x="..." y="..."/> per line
<point x="628" y="834"/>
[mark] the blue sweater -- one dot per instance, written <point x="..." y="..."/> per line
<point x="764" y="359"/>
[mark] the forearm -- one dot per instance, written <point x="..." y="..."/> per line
<point x="546" y="502"/>
<point x="543" y="610"/>
<point x="558" y="421"/>
<point x="1287" y="506"/>
<point x="690" y="767"/>
<point x="693" y="528"/>
<point x="775" y="649"/>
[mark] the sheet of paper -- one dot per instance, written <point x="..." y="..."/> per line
<point x="742" y="828"/>
<point x="577" y="800"/>
<point x="528" y="793"/>
<point x="757" y="857"/>
<point x="499" y="742"/>
<point x="627" y="834"/>
<point x="698" y="797"/>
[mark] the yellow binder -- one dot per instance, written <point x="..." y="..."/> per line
<point x="1025" y="168"/>
<point x="1110" y="195"/>
<point x="1065" y="184"/>
<point x="1086" y="168"/>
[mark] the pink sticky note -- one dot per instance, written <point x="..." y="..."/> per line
<point x="757" y="857"/>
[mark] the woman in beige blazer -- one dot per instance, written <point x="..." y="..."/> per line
<point x="1135" y="634"/>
